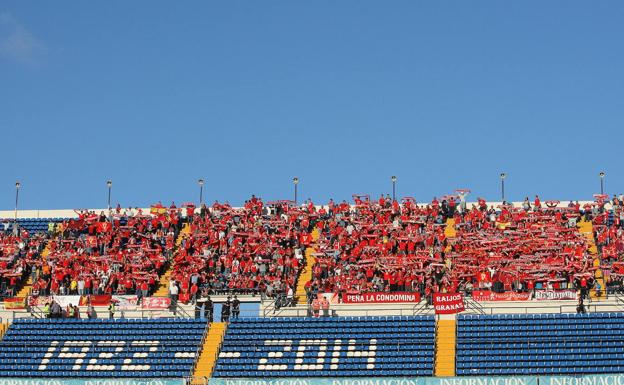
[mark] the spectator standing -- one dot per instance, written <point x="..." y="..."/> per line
<point x="325" y="306"/>
<point x="225" y="310"/>
<point x="91" y="312"/>
<point x="173" y="293"/>
<point x="46" y="310"/>
<point x="235" y="307"/>
<point x="316" y="307"/>
<point x="209" y="309"/>
<point x="111" y="310"/>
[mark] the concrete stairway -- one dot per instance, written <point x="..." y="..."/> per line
<point x="445" y="348"/>
<point x="209" y="353"/>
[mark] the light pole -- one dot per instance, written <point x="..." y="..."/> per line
<point x="502" y="177"/>
<point x="394" y="179"/>
<point x="602" y="175"/>
<point x="109" y="183"/>
<point x="295" y="182"/>
<point x="17" y="187"/>
<point x="201" y="191"/>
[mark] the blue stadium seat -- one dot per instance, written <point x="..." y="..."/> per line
<point x="320" y="347"/>
<point x="557" y="344"/>
<point x="76" y="348"/>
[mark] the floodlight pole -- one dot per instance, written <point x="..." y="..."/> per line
<point x="394" y="179"/>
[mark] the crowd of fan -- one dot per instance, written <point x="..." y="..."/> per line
<point x="122" y="252"/>
<point x="380" y="245"/>
<point x="609" y="235"/>
<point x="255" y="249"/>
<point x="370" y="246"/>
<point x="519" y="249"/>
<point x="15" y="249"/>
<point x="377" y="246"/>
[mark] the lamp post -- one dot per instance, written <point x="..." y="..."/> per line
<point x="201" y="191"/>
<point x="17" y="187"/>
<point x="295" y="182"/>
<point x="109" y="183"/>
<point x="502" y="177"/>
<point x="394" y="179"/>
<point x="602" y="175"/>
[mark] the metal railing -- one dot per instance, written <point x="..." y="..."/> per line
<point x="422" y="308"/>
<point x="305" y="311"/>
<point x="472" y="305"/>
<point x="266" y="310"/>
<point x="199" y="349"/>
<point x="550" y="309"/>
<point x="619" y="301"/>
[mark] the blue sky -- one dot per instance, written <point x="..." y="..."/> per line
<point x="248" y="94"/>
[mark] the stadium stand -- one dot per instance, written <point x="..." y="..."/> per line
<point x="540" y="344"/>
<point x="254" y="249"/>
<point x="15" y="251"/>
<point x="608" y="231"/>
<point x="271" y="249"/>
<point x="133" y="348"/>
<point x="95" y="254"/>
<point x="515" y="249"/>
<point x="328" y="347"/>
<point x="32" y="225"/>
<point x="381" y="246"/>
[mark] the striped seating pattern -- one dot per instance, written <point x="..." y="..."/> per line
<point x="99" y="348"/>
<point x="318" y="347"/>
<point x="540" y="344"/>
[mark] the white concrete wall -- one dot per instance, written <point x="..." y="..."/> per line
<point x="69" y="213"/>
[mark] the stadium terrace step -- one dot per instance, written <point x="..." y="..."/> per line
<point x="3" y="329"/>
<point x="445" y="348"/>
<point x="27" y="286"/>
<point x="25" y="290"/>
<point x="449" y="230"/>
<point x="45" y="252"/>
<point x="209" y="353"/>
<point x="306" y="272"/>
<point x="305" y="276"/>
<point x="163" y="282"/>
<point x="186" y="230"/>
<point x="587" y="229"/>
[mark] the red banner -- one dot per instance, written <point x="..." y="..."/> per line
<point x="448" y="303"/>
<point x="382" y="297"/>
<point x="156" y="302"/>
<point x="331" y="297"/>
<point x="96" y="300"/>
<point x="487" y="295"/>
<point x="555" y="295"/>
<point x="39" y="301"/>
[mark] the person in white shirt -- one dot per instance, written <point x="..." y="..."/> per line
<point x="290" y="296"/>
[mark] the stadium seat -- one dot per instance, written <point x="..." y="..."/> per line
<point x="321" y="347"/>
<point x="559" y="344"/>
<point x="100" y="348"/>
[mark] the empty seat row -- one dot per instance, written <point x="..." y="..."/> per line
<point x="539" y="344"/>
<point x="82" y="348"/>
<point x="342" y="346"/>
